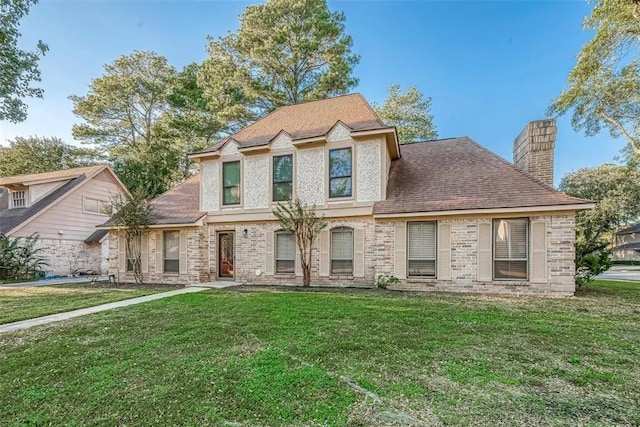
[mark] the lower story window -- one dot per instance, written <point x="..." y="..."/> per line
<point x="285" y="252"/>
<point x="133" y="252"/>
<point x="421" y="259"/>
<point x="342" y="251"/>
<point x="171" y="249"/>
<point x="511" y="249"/>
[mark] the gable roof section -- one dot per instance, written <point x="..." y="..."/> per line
<point x="180" y="205"/>
<point x="630" y="230"/>
<point x="12" y="218"/>
<point x="459" y="174"/>
<point x="306" y="120"/>
<point x="50" y="176"/>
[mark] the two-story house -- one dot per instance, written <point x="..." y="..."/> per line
<point x="63" y="208"/>
<point x="439" y="215"/>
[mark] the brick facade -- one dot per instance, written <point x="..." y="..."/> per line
<point x="379" y="258"/>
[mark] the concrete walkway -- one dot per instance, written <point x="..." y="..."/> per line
<point x="50" y="282"/>
<point x="24" y="324"/>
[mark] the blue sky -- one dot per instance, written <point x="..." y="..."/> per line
<point x="490" y="66"/>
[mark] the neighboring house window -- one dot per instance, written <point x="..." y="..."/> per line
<point x="421" y="259"/>
<point x="130" y="255"/>
<point x="171" y="243"/>
<point x="282" y="177"/>
<point x="18" y="199"/>
<point x="340" y="172"/>
<point x="510" y="249"/>
<point x="95" y="206"/>
<point x="231" y="183"/>
<point x="285" y="252"/>
<point x="342" y="251"/>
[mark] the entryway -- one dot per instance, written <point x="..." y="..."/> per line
<point x="226" y="255"/>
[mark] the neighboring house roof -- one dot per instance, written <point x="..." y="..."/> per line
<point x="96" y="236"/>
<point x="459" y="174"/>
<point x="307" y="120"/>
<point x="631" y="245"/>
<point x="50" y="176"/>
<point x="180" y="205"/>
<point x="11" y="218"/>
<point x="630" y="230"/>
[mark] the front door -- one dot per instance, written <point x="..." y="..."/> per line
<point x="226" y="255"/>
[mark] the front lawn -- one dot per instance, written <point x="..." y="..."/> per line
<point x="312" y="358"/>
<point x="29" y="302"/>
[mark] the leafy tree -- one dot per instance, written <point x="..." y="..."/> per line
<point x="305" y="226"/>
<point x="20" y="257"/>
<point x="604" y="85"/>
<point x="132" y="213"/>
<point x="43" y="154"/>
<point x="410" y="113"/>
<point x="616" y="191"/>
<point x="123" y="114"/>
<point x="285" y="52"/>
<point x="18" y="67"/>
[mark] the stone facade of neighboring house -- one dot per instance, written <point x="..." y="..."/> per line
<point x="627" y="244"/>
<point x="444" y="215"/>
<point x="63" y="208"/>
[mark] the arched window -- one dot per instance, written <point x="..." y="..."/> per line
<point x="342" y="251"/>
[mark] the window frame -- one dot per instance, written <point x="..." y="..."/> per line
<point x="275" y="253"/>
<point x="273" y="177"/>
<point x="129" y="264"/>
<point x="164" y="252"/>
<point x="23" y="199"/>
<point x="239" y="185"/>
<point x="527" y="258"/>
<point x="341" y="229"/>
<point x="101" y="204"/>
<point x="435" y="256"/>
<point x="331" y="178"/>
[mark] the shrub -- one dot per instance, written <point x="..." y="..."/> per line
<point x="20" y="258"/>
<point x="384" y="280"/>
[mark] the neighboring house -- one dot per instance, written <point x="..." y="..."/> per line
<point x="440" y="215"/>
<point x="64" y="208"/>
<point x="627" y="246"/>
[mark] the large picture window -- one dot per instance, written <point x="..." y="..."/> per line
<point x="340" y="169"/>
<point x="342" y="251"/>
<point x="421" y="259"/>
<point x="510" y="249"/>
<point x="231" y="183"/>
<point x="282" y="178"/>
<point x="171" y="251"/>
<point x="285" y="253"/>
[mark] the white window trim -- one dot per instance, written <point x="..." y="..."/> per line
<point x="164" y="252"/>
<point x="224" y="205"/>
<point x="493" y="251"/>
<point x="331" y="259"/>
<point x="435" y="258"/>
<point x="25" y="199"/>
<point x="84" y="198"/>
<point x="275" y="254"/>
<point x="353" y="173"/>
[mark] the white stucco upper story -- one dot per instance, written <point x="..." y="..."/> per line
<point x="366" y="170"/>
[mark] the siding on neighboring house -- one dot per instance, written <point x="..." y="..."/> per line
<point x="68" y="216"/>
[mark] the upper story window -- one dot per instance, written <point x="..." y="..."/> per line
<point x="282" y="178"/>
<point x="231" y="183"/>
<point x="511" y="249"/>
<point x="95" y="206"/>
<point x="340" y="170"/>
<point x="421" y="259"/>
<point x="19" y="199"/>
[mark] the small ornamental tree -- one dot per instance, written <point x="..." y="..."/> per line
<point x="305" y="226"/>
<point x="132" y="214"/>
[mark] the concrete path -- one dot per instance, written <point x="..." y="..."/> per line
<point x="24" y="324"/>
<point x="49" y="282"/>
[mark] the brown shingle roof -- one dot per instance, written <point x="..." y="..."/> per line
<point x="180" y="205"/>
<point x="459" y="174"/>
<point x="56" y="175"/>
<point x="307" y="120"/>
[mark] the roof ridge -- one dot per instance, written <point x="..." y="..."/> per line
<point x="503" y="160"/>
<point x="96" y="166"/>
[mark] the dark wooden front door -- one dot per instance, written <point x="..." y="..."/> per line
<point x="226" y="255"/>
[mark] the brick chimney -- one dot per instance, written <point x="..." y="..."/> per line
<point x="533" y="150"/>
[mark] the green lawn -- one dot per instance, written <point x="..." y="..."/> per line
<point x="288" y="358"/>
<point x="29" y="302"/>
